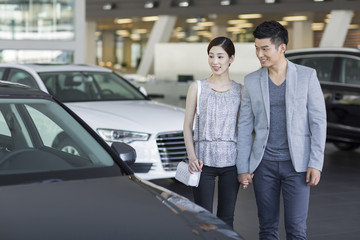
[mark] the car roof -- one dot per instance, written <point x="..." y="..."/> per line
<point x="17" y="90"/>
<point x="351" y="51"/>
<point x="57" y="67"/>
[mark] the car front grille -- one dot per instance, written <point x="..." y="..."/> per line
<point x="172" y="149"/>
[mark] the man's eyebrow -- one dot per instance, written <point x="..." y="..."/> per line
<point x="264" y="46"/>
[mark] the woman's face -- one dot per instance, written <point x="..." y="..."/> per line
<point x="219" y="60"/>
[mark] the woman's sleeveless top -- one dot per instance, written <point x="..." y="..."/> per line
<point x="215" y="133"/>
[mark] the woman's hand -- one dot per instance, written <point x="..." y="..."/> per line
<point x="195" y="165"/>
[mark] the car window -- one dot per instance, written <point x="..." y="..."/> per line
<point x="20" y="76"/>
<point x="89" y="86"/>
<point x="350" y="71"/>
<point x="2" y="71"/>
<point x="35" y="136"/>
<point x="323" y="66"/>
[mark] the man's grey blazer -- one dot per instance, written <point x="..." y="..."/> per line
<point x="305" y="119"/>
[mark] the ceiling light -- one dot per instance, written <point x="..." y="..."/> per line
<point x="140" y="31"/>
<point x="249" y="16"/>
<point x="225" y="2"/>
<point x="123" y="33"/>
<point x="237" y="21"/>
<point x="109" y="6"/>
<point x="195" y="20"/>
<point x="354" y="26"/>
<point x="184" y="3"/>
<point x="319" y="0"/>
<point x="284" y="23"/>
<point x="150" y="19"/>
<point x="206" y="24"/>
<point x="295" y="18"/>
<point x="270" y="1"/>
<point x="151" y="4"/>
<point x="317" y="26"/>
<point x="244" y="25"/>
<point x="123" y="20"/>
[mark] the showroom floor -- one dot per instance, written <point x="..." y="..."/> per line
<point x="334" y="211"/>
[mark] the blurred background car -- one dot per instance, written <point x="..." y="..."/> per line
<point x="115" y="109"/>
<point x="47" y="193"/>
<point x="338" y="70"/>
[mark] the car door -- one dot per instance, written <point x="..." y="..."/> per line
<point x="340" y="82"/>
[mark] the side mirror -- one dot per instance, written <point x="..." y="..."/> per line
<point x="143" y="90"/>
<point x="125" y="152"/>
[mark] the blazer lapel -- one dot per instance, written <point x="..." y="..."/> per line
<point x="291" y="84"/>
<point x="264" y="84"/>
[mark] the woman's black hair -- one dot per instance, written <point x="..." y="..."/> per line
<point x="223" y="42"/>
<point x="273" y="30"/>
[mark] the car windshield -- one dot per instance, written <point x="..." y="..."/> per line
<point x="81" y="86"/>
<point x="35" y="136"/>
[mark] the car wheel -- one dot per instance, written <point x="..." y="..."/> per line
<point x="346" y="146"/>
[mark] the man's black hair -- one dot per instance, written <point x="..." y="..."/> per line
<point x="273" y="30"/>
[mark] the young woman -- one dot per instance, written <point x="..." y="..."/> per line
<point x="212" y="150"/>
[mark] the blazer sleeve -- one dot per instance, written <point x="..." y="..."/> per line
<point x="245" y="130"/>
<point x="317" y="122"/>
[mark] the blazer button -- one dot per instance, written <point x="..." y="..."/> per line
<point x="263" y="146"/>
<point x="219" y="139"/>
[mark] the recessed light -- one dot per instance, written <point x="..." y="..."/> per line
<point x="151" y="4"/>
<point x="184" y="3"/>
<point x="250" y="16"/>
<point x="295" y="18"/>
<point x="108" y="6"/>
<point x="270" y="1"/>
<point x="225" y="2"/>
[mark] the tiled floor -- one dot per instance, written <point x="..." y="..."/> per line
<point x="334" y="205"/>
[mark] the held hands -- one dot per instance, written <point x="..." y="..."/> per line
<point x="245" y="179"/>
<point x="195" y="165"/>
<point x="312" y="176"/>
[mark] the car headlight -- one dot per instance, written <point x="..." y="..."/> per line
<point x="112" y="135"/>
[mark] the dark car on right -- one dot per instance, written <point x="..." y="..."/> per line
<point x="338" y="70"/>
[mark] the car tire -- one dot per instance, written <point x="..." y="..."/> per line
<point x="346" y="146"/>
<point x="66" y="144"/>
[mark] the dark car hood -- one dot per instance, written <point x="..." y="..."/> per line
<point x="105" y="208"/>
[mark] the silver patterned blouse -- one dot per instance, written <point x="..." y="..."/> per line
<point x="216" y="125"/>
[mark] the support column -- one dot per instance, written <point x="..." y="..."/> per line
<point x="90" y="43"/>
<point x="160" y="33"/>
<point x="302" y="35"/>
<point x="108" y="43"/>
<point x="337" y="28"/>
<point x="79" y="13"/>
<point x="218" y="31"/>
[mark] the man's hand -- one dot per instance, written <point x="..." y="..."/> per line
<point x="312" y="176"/>
<point x="245" y="179"/>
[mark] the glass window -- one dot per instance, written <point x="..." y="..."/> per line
<point x="20" y="76"/>
<point x="351" y="71"/>
<point x="37" y="20"/>
<point x="2" y="71"/>
<point x="323" y="66"/>
<point x="44" y="137"/>
<point x="89" y="86"/>
<point x="38" y="56"/>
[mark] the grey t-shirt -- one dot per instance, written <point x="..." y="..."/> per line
<point x="277" y="148"/>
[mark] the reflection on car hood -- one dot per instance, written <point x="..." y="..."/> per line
<point x="143" y="116"/>
<point x="106" y="208"/>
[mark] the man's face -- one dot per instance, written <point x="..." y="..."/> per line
<point x="267" y="52"/>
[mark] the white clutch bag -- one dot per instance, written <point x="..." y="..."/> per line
<point x="183" y="175"/>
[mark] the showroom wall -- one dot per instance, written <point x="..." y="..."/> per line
<point x="174" y="59"/>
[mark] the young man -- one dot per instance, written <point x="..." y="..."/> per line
<point x="281" y="134"/>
